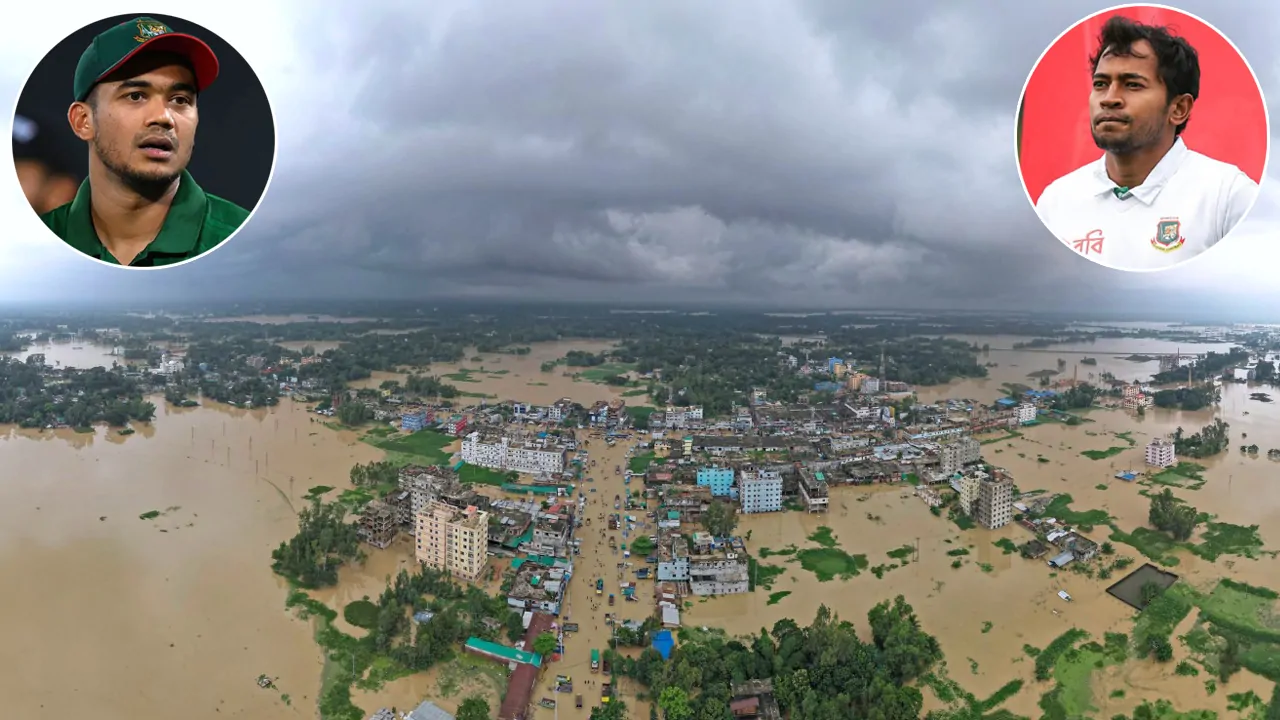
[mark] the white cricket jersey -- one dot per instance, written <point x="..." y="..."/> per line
<point x="1187" y="204"/>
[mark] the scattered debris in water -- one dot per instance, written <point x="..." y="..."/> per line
<point x="1260" y="397"/>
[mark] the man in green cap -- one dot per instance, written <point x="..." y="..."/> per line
<point x="136" y="92"/>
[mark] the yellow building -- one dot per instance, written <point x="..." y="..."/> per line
<point x="662" y="448"/>
<point x="687" y="448"/>
<point x="452" y="540"/>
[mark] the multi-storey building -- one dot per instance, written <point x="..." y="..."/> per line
<point x="719" y="479"/>
<point x="1160" y="453"/>
<point x="560" y="410"/>
<point x="814" y="492"/>
<point x="520" y="454"/>
<point x="966" y="487"/>
<point x="995" y="501"/>
<point x="452" y="540"/>
<point x="760" y="491"/>
<point x="415" y="420"/>
<point x="953" y="456"/>
<point x="1027" y="412"/>
<point x="1132" y="397"/>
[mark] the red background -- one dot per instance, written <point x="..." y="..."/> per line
<point x="1228" y="122"/>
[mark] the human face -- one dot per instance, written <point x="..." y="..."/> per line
<point x="1129" y="109"/>
<point x="144" y="120"/>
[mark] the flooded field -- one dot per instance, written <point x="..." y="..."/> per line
<point x="520" y="377"/>
<point x="1014" y="366"/>
<point x="176" y="615"/>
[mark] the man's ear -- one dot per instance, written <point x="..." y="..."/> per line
<point x="80" y="117"/>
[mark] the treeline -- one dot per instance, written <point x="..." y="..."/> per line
<point x="1204" y="369"/>
<point x="1209" y="441"/>
<point x="1196" y="397"/>
<point x="1075" y="398"/>
<point x="79" y="399"/>
<point x="820" y="672"/>
<point x="325" y="540"/>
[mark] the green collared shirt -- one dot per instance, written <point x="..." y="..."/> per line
<point x="197" y="222"/>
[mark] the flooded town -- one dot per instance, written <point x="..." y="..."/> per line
<point x="450" y="514"/>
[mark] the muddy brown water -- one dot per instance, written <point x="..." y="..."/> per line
<point x="179" y="614"/>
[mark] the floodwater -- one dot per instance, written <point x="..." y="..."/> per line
<point x="1014" y="366"/>
<point x="112" y="616"/>
<point x="520" y="377"/>
<point x="71" y="355"/>
<point x="179" y="614"/>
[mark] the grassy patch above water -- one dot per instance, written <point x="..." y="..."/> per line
<point x="830" y="563"/>
<point x="361" y="614"/>
<point x="788" y="550"/>
<point x="902" y="553"/>
<point x="425" y="447"/>
<point x="640" y="463"/>
<point x="1007" y="546"/>
<point x="775" y="598"/>
<point x="763" y="574"/>
<point x="1153" y="544"/>
<point x="1216" y="540"/>
<point x="1226" y="539"/>
<point x="1060" y="508"/>
<point x="600" y="373"/>
<point x="316" y="491"/>
<point x="149" y="515"/>
<point x="1186" y="475"/>
<point x="823" y="536"/>
<point x="1103" y="454"/>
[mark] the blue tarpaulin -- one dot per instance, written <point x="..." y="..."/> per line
<point x="663" y="643"/>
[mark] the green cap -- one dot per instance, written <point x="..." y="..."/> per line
<point x="116" y="46"/>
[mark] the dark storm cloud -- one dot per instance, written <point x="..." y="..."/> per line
<point x="810" y="152"/>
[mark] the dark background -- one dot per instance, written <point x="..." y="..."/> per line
<point x="235" y="142"/>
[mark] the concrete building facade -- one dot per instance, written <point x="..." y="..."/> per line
<point x="452" y="540"/>
<point x="1160" y="453"/>
<point x="719" y="479"/>
<point x="515" y="454"/>
<point x="995" y="501"/>
<point x="761" y="491"/>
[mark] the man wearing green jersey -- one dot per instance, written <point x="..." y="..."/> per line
<point x="136" y="92"/>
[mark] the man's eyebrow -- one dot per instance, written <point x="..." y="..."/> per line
<point x="139" y="84"/>
<point x="1121" y="76"/>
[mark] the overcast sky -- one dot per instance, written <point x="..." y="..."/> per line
<point x="802" y="152"/>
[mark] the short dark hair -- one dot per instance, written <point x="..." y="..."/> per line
<point x="1176" y="61"/>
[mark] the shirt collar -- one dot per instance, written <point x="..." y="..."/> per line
<point x="179" y="234"/>
<point x="1149" y="190"/>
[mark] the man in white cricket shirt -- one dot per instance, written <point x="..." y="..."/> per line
<point x="1149" y="202"/>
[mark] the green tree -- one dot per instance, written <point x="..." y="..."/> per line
<point x="545" y="644"/>
<point x="474" y="707"/>
<point x="1273" y="710"/>
<point x="674" y="702"/>
<point x="720" y="519"/>
<point x="1149" y="592"/>
<point x="1161" y="649"/>
<point x="615" y="709"/>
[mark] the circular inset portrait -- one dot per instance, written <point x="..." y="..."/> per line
<point x="144" y="142"/>
<point x="1142" y="137"/>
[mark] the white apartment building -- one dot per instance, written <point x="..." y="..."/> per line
<point x="1027" y="412"/>
<point x="452" y="540"/>
<point x="506" y="453"/>
<point x="760" y="491"/>
<point x="1160" y="453"/>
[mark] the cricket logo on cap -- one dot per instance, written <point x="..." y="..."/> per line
<point x="1168" y="235"/>
<point x="148" y="29"/>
